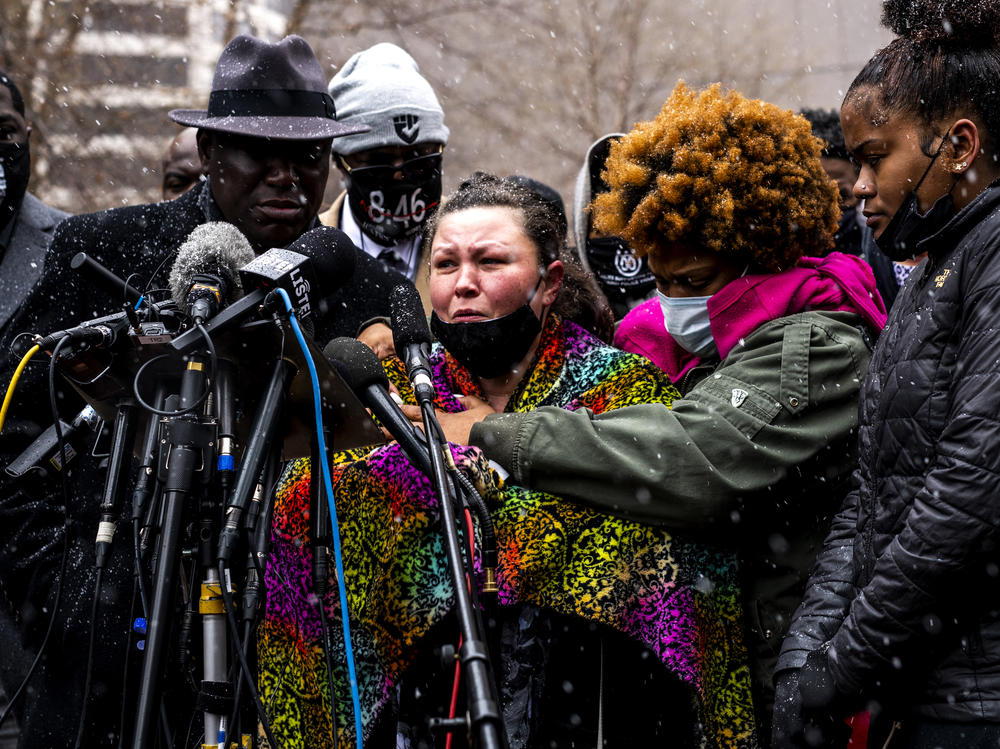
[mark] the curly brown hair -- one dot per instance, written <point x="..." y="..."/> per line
<point x="580" y="299"/>
<point x="721" y="172"/>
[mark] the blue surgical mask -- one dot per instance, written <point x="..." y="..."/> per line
<point x="686" y="319"/>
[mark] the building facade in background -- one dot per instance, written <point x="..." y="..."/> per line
<point x="527" y="87"/>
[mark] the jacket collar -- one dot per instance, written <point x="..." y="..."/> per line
<point x="948" y="236"/>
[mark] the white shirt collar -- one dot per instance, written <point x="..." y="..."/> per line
<point x="408" y="250"/>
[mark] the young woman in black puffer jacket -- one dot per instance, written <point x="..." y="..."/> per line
<point x="902" y="614"/>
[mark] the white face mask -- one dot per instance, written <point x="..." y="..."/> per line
<point x="686" y="319"/>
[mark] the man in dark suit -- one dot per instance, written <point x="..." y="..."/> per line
<point x="264" y="145"/>
<point x="26" y="226"/>
<point x="26" y="223"/>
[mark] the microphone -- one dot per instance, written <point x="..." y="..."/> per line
<point x="202" y="281"/>
<point x="203" y="278"/>
<point x="99" y="333"/>
<point x="97" y="274"/>
<point x="332" y="253"/>
<point x="412" y="338"/>
<point x="361" y="370"/>
<point x="322" y="258"/>
<point x="44" y="446"/>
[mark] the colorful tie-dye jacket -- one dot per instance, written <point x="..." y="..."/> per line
<point x="677" y="598"/>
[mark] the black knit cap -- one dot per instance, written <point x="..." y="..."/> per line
<point x="268" y="90"/>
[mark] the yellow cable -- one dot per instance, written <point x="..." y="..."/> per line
<point x="13" y="383"/>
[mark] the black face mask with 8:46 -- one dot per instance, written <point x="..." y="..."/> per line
<point x="390" y="210"/>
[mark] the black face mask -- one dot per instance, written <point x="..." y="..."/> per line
<point x="622" y="275"/>
<point x="491" y="347"/>
<point x="390" y="210"/>
<point x="908" y="226"/>
<point x="15" y="169"/>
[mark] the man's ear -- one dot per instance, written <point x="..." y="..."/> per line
<point x="205" y="142"/>
<point x="963" y="146"/>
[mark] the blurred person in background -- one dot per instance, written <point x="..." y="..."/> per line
<point x="26" y="226"/>
<point x="392" y="171"/>
<point x="181" y="165"/>
<point x="597" y="316"/>
<point x="622" y="275"/>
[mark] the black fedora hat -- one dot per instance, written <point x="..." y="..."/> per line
<point x="268" y="91"/>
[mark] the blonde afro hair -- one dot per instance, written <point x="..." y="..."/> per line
<point x="720" y="172"/>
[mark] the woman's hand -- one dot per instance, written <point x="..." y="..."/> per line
<point x="378" y="337"/>
<point x="456" y="426"/>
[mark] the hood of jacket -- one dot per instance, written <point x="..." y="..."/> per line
<point x="582" y="197"/>
<point x="835" y="283"/>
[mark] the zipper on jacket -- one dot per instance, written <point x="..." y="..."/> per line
<point x="869" y="558"/>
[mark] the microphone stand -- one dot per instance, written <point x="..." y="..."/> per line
<point x="267" y="421"/>
<point x="188" y="438"/>
<point x="123" y="434"/>
<point x="178" y="482"/>
<point x="483" y="704"/>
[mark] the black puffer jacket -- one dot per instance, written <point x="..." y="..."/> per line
<point x="907" y="590"/>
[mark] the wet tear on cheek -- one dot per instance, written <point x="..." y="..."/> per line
<point x="3" y="182"/>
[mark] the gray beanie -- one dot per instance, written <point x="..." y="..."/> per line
<point x="383" y="89"/>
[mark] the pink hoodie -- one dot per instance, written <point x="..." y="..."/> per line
<point x="835" y="283"/>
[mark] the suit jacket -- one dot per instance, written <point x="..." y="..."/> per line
<point x="20" y="268"/>
<point x="22" y="262"/>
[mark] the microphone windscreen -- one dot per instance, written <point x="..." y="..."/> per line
<point x="356" y="363"/>
<point x="332" y="253"/>
<point x="409" y="325"/>
<point x="217" y="248"/>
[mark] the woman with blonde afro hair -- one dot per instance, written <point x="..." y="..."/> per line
<point x="767" y="344"/>
<point x="722" y="172"/>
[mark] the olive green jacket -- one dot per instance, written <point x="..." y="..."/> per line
<point x="759" y="452"/>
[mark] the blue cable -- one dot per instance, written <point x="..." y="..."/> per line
<point x="328" y="484"/>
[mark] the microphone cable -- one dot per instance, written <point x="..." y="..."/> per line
<point x="234" y="630"/>
<point x="334" y="524"/>
<point x="128" y="657"/>
<point x="321" y="584"/>
<point x="327" y="647"/>
<point x="91" y="647"/>
<point x="213" y="364"/>
<point x="232" y="727"/>
<point x="457" y="678"/>
<point x="64" y="483"/>
<point x="9" y="396"/>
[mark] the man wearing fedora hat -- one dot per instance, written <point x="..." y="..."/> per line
<point x="264" y="146"/>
